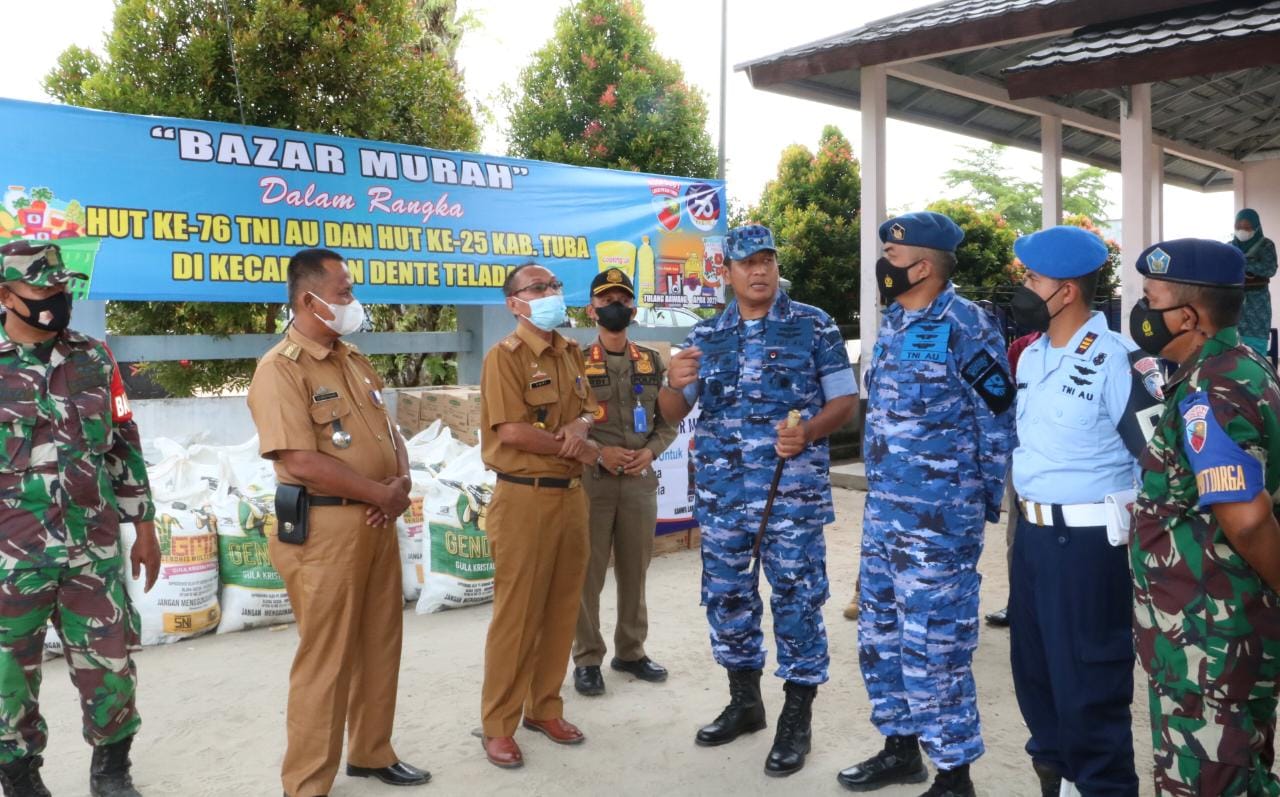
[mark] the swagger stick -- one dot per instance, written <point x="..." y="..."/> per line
<point x="793" y="420"/>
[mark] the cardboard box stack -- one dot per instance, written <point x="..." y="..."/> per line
<point x="458" y="406"/>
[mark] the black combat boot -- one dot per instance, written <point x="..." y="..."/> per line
<point x="109" y="771"/>
<point x="899" y="762"/>
<point x="1050" y="780"/>
<point x="744" y="714"/>
<point x="21" y="778"/>
<point x="951" y="783"/>
<point x="795" y="732"/>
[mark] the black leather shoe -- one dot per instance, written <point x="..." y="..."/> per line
<point x="109" y="770"/>
<point x="643" y="668"/>
<point x="744" y="714"/>
<point x="1050" y="780"/>
<point x="794" y="737"/>
<point x="999" y="619"/>
<point x="588" y="680"/>
<point x="398" y="774"/>
<point x="21" y="778"/>
<point x="952" y="783"/>
<point x="899" y="762"/>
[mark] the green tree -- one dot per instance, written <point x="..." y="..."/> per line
<point x="812" y="207"/>
<point x="984" y="260"/>
<point x="598" y="94"/>
<point x="359" y="68"/>
<point x="989" y="185"/>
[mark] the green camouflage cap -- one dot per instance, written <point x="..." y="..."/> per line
<point x="35" y="263"/>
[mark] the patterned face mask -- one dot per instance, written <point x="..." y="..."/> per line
<point x="1148" y="329"/>
<point x="52" y="313"/>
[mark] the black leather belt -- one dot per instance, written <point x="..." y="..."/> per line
<point x="542" y="481"/>
<point x="330" y="500"/>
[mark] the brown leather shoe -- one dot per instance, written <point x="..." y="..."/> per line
<point x="502" y="751"/>
<point x="557" y="730"/>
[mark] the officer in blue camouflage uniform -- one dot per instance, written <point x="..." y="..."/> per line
<point x="764" y="356"/>
<point x="1086" y="402"/>
<point x="938" y="435"/>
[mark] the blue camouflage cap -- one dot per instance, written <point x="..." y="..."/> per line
<point x="1194" y="261"/>
<point x="928" y="229"/>
<point x="1062" y="252"/>
<point x="743" y="242"/>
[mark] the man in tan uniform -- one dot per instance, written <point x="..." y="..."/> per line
<point x="535" y="412"/>
<point x="317" y="404"/>
<point x="622" y="488"/>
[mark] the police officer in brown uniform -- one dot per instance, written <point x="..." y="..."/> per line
<point x="623" y="486"/>
<point x="317" y="404"/>
<point x="535" y="411"/>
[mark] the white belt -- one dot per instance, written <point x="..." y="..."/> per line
<point x="1072" y="514"/>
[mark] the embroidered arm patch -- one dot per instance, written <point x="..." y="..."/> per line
<point x="1225" y="473"/>
<point x="988" y="378"/>
<point x="1145" y="406"/>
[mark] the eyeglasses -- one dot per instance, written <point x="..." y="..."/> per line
<point x="554" y="286"/>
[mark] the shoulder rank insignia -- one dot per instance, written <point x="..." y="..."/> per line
<point x="291" y="352"/>
<point x="643" y="360"/>
<point x="510" y="342"/>
<point x="1086" y="342"/>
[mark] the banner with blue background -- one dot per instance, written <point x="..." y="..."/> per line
<point x="154" y="208"/>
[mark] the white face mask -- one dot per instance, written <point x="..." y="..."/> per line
<point x="1243" y="235"/>
<point x="347" y="318"/>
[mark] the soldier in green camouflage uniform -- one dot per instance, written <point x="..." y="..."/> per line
<point x="1206" y="545"/>
<point x="71" y="471"/>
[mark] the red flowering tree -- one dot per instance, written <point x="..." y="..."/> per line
<point x="1110" y="282"/>
<point x="598" y="94"/>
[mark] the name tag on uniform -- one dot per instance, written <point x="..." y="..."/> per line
<point x="926" y="342"/>
<point x="537" y="383"/>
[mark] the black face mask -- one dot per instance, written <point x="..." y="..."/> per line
<point x="58" y="307"/>
<point x="1030" y="311"/>
<point x="893" y="280"/>
<point x="1148" y="329"/>
<point x="614" y="317"/>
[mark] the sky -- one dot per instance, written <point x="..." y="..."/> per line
<point x="760" y="125"/>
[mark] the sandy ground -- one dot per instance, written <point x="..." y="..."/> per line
<point x="213" y="708"/>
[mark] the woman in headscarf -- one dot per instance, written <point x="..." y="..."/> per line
<point x="1259" y="267"/>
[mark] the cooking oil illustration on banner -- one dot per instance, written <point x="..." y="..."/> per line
<point x="644" y="269"/>
<point x="617" y="254"/>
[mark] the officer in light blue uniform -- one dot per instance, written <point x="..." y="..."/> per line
<point x="1084" y="411"/>
<point x="748" y="367"/>
<point x="938" y="436"/>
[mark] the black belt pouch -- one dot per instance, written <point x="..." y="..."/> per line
<point x="291" y="513"/>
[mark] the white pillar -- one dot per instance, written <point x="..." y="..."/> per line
<point x="1157" y="193"/>
<point x="1051" y="171"/>
<point x="1135" y="177"/>
<point x="874" y="112"/>
<point x="1238" y="185"/>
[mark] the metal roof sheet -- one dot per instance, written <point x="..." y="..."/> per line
<point x="939" y="15"/>
<point x="1202" y="23"/>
